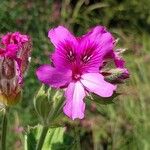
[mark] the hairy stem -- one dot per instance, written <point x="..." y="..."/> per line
<point x="42" y="138"/>
<point x="4" y="129"/>
<point x="77" y="136"/>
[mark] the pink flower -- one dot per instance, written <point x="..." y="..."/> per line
<point x="15" y="50"/>
<point x="76" y="63"/>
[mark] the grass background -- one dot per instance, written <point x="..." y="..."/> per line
<point x="124" y="125"/>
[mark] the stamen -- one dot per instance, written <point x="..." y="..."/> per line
<point x="70" y="55"/>
<point x="86" y="58"/>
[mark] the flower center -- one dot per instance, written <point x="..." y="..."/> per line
<point x="76" y="76"/>
<point x="76" y="72"/>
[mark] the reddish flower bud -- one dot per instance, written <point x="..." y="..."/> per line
<point x="14" y="55"/>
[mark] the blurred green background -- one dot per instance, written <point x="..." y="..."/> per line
<point x="124" y="125"/>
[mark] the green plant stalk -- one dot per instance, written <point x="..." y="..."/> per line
<point x="77" y="136"/>
<point x="4" y="129"/>
<point x="42" y="138"/>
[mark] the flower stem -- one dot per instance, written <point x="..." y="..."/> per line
<point x="42" y="138"/>
<point x="77" y="136"/>
<point x="4" y="129"/>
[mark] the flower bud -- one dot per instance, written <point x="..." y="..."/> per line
<point x="21" y="44"/>
<point x="48" y="104"/>
<point x="7" y="68"/>
<point x="117" y="75"/>
<point x="9" y="85"/>
<point x="15" y="50"/>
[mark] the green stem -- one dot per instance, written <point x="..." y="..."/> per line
<point x="42" y="138"/>
<point x="4" y="129"/>
<point x="77" y="136"/>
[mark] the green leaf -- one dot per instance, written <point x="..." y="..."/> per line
<point x="95" y="6"/>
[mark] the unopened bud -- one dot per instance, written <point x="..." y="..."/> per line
<point x="48" y="104"/>
<point x="7" y="68"/>
<point x="10" y="89"/>
<point x="116" y="75"/>
<point x="15" y="50"/>
<point x="24" y="55"/>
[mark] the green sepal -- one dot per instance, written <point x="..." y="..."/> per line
<point x="48" y="104"/>
<point x="42" y="105"/>
<point x="103" y="100"/>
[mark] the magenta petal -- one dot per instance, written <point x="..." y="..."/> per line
<point x="19" y="38"/>
<point x="100" y="37"/>
<point x="64" y="55"/>
<point x="74" y="107"/>
<point x="65" y="44"/>
<point x="6" y="39"/>
<point x="125" y="74"/>
<point x="119" y="62"/>
<point x="2" y="51"/>
<point x="116" y="57"/>
<point x="11" y="50"/>
<point x="94" y="82"/>
<point x="52" y="76"/>
<point x="59" y="35"/>
<point x="95" y="32"/>
<point x="14" y="38"/>
<point x="94" y="46"/>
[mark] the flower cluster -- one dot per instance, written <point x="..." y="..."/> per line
<point x="14" y="53"/>
<point x="78" y="66"/>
